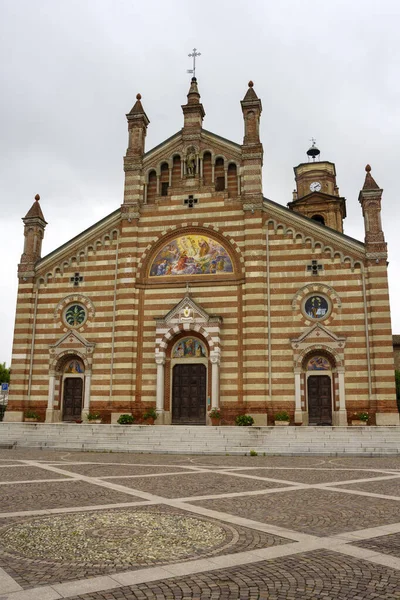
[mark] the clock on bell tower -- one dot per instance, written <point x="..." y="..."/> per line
<point x="317" y="195"/>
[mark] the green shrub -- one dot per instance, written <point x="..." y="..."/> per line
<point x="244" y="420"/>
<point x="150" y="414"/>
<point x="31" y="414"/>
<point x="361" y="416"/>
<point x="253" y="453"/>
<point x="126" y="419"/>
<point x="93" y="416"/>
<point x="282" y="415"/>
<point x="215" y="413"/>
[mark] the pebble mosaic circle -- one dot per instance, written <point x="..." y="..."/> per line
<point x="125" y="537"/>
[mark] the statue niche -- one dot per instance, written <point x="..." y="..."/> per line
<point x="191" y="161"/>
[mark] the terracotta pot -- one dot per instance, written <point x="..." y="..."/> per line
<point x="215" y="422"/>
<point x="281" y="423"/>
<point x="358" y="423"/>
<point x="150" y="421"/>
<point x="95" y="421"/>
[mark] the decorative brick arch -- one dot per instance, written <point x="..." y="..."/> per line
<point x="206" y="229"/>
<point x="332" y="354"/>
<point x="177" y="329"/>
<point x="58" y="361"/>
<point x="317" y="288"/>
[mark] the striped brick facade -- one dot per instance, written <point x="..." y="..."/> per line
<point x="251" y="320"/>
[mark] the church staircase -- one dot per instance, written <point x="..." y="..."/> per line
<point x="283" y="441"/>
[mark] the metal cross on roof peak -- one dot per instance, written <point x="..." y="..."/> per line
<point x="194" y="54"/>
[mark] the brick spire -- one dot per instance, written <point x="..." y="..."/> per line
<point x="193" y="111"/>
<point x="251" y="108"/>
<point x="34" y="226"/>
<point x="137" y="127"/>
<point x="370" y="199"/>
<point x="369" y="183"/>
<point x="133" y="160"/>
<point x="252" y="150"/>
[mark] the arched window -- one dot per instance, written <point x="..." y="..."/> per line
<point x="219" y="175"/>
<point x="232" y="181"/>
<point x="176" y="170"/>
<point x="164" y="179"/>
<point x="207" y="168"/>
<point x="319" y="218"/>
<point x="152" y="187"/>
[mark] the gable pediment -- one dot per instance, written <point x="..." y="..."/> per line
<point x="187" y="311"/>
<point x="72" y="340"/>
<point x="318" y="334"/>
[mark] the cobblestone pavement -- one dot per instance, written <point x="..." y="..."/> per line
<point x="87" y="526"/>
<point x="317" y="475"/>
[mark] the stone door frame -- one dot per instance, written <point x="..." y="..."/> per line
<point x="186" y="317"/>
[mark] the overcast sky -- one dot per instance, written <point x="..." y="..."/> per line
<point x="70" y="71"/>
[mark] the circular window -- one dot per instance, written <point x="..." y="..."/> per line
<point x="316" y="307"/>
<point x="75" y="315"/>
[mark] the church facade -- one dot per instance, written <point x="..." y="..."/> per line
<point x="199" y="293"/>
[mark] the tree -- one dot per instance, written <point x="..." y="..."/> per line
<point x="4" y="374"/>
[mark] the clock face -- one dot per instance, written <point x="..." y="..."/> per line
<point x="315" y="186"/>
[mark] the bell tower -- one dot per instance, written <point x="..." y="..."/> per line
<point x="317" y="195"/>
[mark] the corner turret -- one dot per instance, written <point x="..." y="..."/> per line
<point x="370" y="198"/>
<point x="252" y="150"/>
<point x="34" y="226"/>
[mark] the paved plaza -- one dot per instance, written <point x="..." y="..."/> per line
<point x="108" y="526"/>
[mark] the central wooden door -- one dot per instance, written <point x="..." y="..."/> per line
<point x="189" y="394"/>
<point x="72" y="404"/>
<point x="319" y="400"/>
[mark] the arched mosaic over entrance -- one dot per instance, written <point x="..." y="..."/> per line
<point x="191" y="254"/>
<point x="318" y="363"/>
<point x="189" y="348"/>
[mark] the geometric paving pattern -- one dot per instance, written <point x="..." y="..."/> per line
<point x="88" y="526"/>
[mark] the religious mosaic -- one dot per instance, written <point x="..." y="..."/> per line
<point x="316" y="307"/>
<point x="318" y="363"/>
<point x="74" y="367"/>
<point x="189" y="348"/>
<point x="75" y="315"/>
<point x="191" y="255"/>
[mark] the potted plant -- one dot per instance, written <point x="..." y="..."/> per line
<point x="126" y="419"/>
<point x="215" y="416"/>
<point x="94" y="417"/>
<point x="360" y="418"/>
<point x="281" y="418"/>
<point x="150" y="415"/>
<point x="31" y="416"/>
<point x="244" y="420"/>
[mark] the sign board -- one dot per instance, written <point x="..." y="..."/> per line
<point x="4" y="387"/>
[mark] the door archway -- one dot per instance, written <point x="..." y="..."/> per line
<point x="72" y="389"/>
<point x="318" y="369"/>
<point x="189" y="375"/>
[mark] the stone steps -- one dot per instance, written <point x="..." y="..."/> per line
<point x="364" y="441"/>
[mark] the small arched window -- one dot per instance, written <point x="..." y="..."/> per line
<point x="219" y="175"/>
<point x="319" y="218"/>
<point x="152" y="187"/>
<point x="232" y="181"/>
<point x="164" y="179"/>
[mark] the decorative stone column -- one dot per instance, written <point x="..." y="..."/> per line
<point x="86" y="395"/>
<point x="160" y="362"/>
<point x="50" y="399"/>
<point x="342" y="416"/>
<point x="298" y="413"/>
<point x="215" y="358"/>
